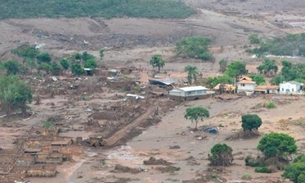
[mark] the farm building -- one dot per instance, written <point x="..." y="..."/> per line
<point x="190" y="93"/>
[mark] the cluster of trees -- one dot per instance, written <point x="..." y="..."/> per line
<point x="290" y="45"/>
<point x="34" y="59"/>
<point x="194" y="47"/>
<point x="14" y="94"/>
<point x="231" y="73"/>
<point x="290" y="72"/>
<point x="95" y="8"/>
<point x="276" y="148"/>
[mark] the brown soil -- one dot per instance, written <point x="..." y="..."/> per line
<point x="130" y="42"/>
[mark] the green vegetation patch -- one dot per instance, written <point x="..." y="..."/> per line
<point x="94" y="8"/>
<point x="290" y="45"/>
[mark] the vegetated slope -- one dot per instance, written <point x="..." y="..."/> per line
<point x="94" y="8"/>
<point x="290" y="45"/>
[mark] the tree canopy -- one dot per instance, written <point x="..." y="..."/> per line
<point x="14" y="94"/>
<point x="268" y="67"/>
<point x="250" y="122"/>
<point x="277" y="145"/>
<point x="236" y="69"/>
<point x="290" y="72"/>
<point x="221" y="155"/>
<point x="90" y="63"/>
<point x="77" y="69"/>
<point x="296" y="171"/>
<point x="196" y="114"/>
<point x="192" y="73"/>
<point x="290" y="45"/>
<point x="95" y="8"/>
<point x="12" y="67"/>
<point x="157" y="61"/>
<point x="194" y="47"/>
<point x="223" y="65"/>
<point x="44" y="57"/>
<point x="258" y="79"/>
<point x="211" y="82"/>
<point x="64" y="63"/>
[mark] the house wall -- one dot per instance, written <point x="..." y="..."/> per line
<point x="190" y="98"/>
<point x="193" y="93"/>
<point x="245" y="87"/>
<point x="288" y="88"/>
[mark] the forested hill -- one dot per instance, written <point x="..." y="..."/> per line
<point x="93" y="8"/>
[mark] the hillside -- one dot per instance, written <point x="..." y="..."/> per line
<point x="94" y="8"/>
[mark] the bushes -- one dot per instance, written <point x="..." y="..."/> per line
<point x="290" y="45"/>
<point x="194" y="47"/>
<point x="271" y="105"/>
<point x="95" y="8"/>
<point x="263" y="170"/>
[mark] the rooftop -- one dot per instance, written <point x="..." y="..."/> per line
<point x="193" y="88"/>
<point x="246" y="82"/>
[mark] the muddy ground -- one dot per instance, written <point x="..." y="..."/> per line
<point x="131" y="42"/>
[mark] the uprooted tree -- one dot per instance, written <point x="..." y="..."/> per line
<point x="221" y="155"/>
<point x="196" y="114"/>
<point x="14" y="94"/>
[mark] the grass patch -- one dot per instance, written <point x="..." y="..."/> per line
<point x="94" y="8"/>
<point x="271" y="105"/>
<point x="263" y="170"/>
<point x="246" y="177"/>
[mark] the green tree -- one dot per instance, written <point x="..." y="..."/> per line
<point x="254" y="39"/>
<point x="192" y="73"/>
<point x="296" y="171"/>
<point x="26" y="51"/>
<point x="277" y="145"/>
<point x="55" y="69"/>
<point x="14" y="94"/>
<point x="196" y="114"/>
<point x="221" y="155"/>
<point x="211" y="82"/>
<point x="86" y="56"/>
<point x="64" y="63"/>
<point x="268" y="67"/>
<point x="194" y="47"/>
<point x="157" y="61"/>
<point x="44" y="57"/>
<point x="44" y="66"/>
<point x="102" y="54"/>
<point x="223" y="65"/>
<point x="77" y="69"/>
<point x="90" y="63"/>
<point x="250" y="122"/>
<point x="277" y="80"/>
<point x="77" y="56"/>
<point x="259" y="79"/>
<point x="12" y="67"/>
<point x="235" y="69"/>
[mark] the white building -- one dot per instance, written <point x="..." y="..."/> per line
<point x="246" y="85"/>
<point x="291" y="87"/>
<point x="191" y="91"/>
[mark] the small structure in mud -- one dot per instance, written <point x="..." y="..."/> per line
<point x="36" y="155"/>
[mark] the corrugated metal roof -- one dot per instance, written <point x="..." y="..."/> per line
<point x="193" y="88"/>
